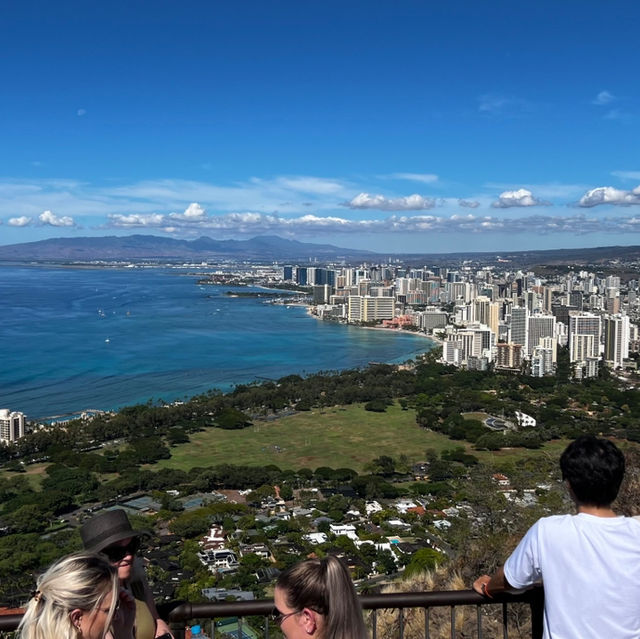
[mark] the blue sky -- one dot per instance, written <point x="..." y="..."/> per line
<point x="392" y="126"/>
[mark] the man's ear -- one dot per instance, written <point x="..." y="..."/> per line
<point x="76" y="617"/>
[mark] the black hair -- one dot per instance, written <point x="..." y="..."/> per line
<point x="594" y="468"/>
<point x="324" y="585"/>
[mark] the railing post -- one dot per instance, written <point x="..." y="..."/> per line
<point x="427" y="630"/>
<point x="505" y="629"/>
<point x="453" y="622"/>
<point x="537" y="613"/>
<point x="177" y="629"/>
<point x="401" y="622"/>
<point x="479" y="618"/>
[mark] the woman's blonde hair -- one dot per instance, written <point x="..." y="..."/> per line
<point x="79" y="581"/>
<point x="324" y="585"/>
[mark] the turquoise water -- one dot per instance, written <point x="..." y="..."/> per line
<point x="73" y="339"/>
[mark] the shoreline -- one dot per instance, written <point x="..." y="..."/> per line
<point x="432" y="338"/>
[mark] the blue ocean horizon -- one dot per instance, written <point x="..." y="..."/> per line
<point x="75" y="339"/>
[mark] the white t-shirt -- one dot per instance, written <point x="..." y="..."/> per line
<point x="590" y="569"/>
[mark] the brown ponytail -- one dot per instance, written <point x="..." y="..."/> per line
<point x="324" y="585"/>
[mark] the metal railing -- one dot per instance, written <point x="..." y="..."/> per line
<point x="394" y="607"/>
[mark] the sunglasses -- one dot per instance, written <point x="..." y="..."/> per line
<point x="118" y="553"/>
<point x="279" y="617"/>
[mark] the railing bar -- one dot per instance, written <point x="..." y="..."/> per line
<point x="401" y="621"/>
<point x="427" y="615"/>
<point x="453" y="622"/>
<point x="240" y="627"/>
<point x="266" y="627"/>
<point x="505" y="630"/>
<point x="374" y="629"/>
<point x="179" y="615"/>
<point x="213" y="628"/>
<point x="479" y="614"/>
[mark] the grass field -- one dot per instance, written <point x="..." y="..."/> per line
<point x="338" y="437"/>
<point x="345" y="436"/>
<point x="34" y="474"/>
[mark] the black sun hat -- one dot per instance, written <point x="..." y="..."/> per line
<point x="107" y="528"/>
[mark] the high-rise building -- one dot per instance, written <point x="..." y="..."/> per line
<point x="509" y="356"/>
<point x="486" y="312"/>
<point x="616" y="339"/>
<point x="11" y="425"/>
<point x="541" y="361"/>
<point x="364" y="308"/>
<point x="584" y="336"/>
<point x="519" y="327"/>
<point x="539" y="326"/>
<point x="431" y="319"/>
<point x="321" y="294"/>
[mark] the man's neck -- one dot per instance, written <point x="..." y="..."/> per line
<point x="596" y="511"/>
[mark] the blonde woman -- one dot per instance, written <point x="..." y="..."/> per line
<point x="78" y="597"/>
<point x="315" y="599"/>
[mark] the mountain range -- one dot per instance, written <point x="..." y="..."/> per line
<point x="152" y="247"/>
<point x="270" y="248"/>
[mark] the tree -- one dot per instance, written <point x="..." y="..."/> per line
<point x="29" y="518"/>
<point x="231" y="418"/>
<point x="423" y="560"/>
<point x="385" y="562"/>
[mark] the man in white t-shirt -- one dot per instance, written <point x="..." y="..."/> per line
<point x="588" y="563"/>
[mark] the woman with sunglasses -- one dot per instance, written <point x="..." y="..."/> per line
<point x="315" y="599"/>
<point x="78" y="597"/>
<point x="111" y="534"/>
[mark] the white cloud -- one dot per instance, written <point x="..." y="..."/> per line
<point x="288" y="195"/>
<point x="501" y="105"/>
<point x="193" y="212"/>
<point x="491" y="103"/>
<point x="51" y="219"/>
<point x="81" y="112"/>
<point x="23" y="220"/>
<point x="136" y="220"/>
<point x="380" y="202"/>
<point x="610" y="195"/>
<point x="604" y="97"/>
<point x="627" y="175"/>
<point x="306" y="184"/>
<point x="543" y="190"/>
<point x="425" y="178"/>
<point x="469" y="204"/>
<point x="521" y="197"/>
<point x="251" y="223"/>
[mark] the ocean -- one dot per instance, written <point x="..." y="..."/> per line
<point x="75" y="339"/>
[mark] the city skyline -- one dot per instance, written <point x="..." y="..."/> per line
<point x="404" y="128"/>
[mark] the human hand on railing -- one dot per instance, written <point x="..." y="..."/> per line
<point x="162" y="630"/>
<point x="480" y="585"/>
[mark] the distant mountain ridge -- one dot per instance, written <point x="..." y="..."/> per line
<point x="272" y="247"/>
<point x="151" y="247"/>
